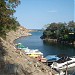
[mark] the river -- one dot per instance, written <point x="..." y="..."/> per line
<point x="34" y="42"/>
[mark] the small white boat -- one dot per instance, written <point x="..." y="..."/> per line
<point x="30" y="52"/>
<point x="64" y="63"/>
<point x="34" y="53"/>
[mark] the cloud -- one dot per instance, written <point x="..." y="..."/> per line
<point x="52" y="11"/>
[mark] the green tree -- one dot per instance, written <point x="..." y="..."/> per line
<point x="71" y="24"/>
<point x="7" y="21"/>
<point x="58" y="30"/>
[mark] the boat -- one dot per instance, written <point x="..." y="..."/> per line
<point x="64" y="63"/>
<point x="26" y="49"/>
<point x="51" y="59"/>
<point x="43" y="60"/>
<point x="34" y="53"/>
<point x="30" y="52"/>
<point x="20" y="46"/>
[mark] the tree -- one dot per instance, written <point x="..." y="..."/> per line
<point x="71" y="24"/>
<point x="7" y="9"/>
<point x="59" y="30"/>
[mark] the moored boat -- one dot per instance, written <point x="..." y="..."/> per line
<point x="34" y="53"/>
<point x="51" y="58"/>
<point x="30" y="52"/>
<point x="64" y="63"/>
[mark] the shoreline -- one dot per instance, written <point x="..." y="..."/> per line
<point x="17" y="57"/>
<point x="58" y="42"/>
<point x="20" y="37"/>
<point x="21" y="32"/>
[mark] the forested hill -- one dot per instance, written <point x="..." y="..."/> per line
<point x="60" y="31"/>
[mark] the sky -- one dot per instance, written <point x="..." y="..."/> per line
<point x="35" y="14"/>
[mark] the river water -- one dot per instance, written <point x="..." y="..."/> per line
<point x="34" y="42"/>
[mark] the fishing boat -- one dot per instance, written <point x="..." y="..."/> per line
<point x="64" y="63"/>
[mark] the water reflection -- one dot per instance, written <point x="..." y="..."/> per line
<point x="34" y="42"/>
<point x="68" y="50"/>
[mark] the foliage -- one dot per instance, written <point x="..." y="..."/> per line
<point x="59" y="30"/>
<point x="7" y="21"/>
<point x="71" y="24"/>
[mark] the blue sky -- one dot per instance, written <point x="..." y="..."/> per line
<point x="34" y="14"/>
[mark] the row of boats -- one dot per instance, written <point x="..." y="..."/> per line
<point x="61" y="62"/>
<point x="57" y="62"/>
<point x="35" y="53"/>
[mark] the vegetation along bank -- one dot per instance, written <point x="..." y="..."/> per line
<point x="60" y="32"/>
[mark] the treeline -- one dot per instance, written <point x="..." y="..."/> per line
<point x="60" y="31"/>
<point x="7" y="20"/>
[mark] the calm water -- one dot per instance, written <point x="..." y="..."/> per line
<point x="34" y="42"/>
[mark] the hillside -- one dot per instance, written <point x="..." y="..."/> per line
<point x="15" y="62"/>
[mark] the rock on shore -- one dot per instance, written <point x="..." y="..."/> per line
<point x="15" y="62"/>
<point x="21" y="31"/>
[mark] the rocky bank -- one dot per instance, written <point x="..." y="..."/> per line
<point x="15" y="62"/>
